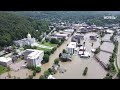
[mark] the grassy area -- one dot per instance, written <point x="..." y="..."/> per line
<point x="3" y="69"/>
<point x="48" y="44"/>
<point x="44" y="49"/>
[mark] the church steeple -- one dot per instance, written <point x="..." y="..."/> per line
<point x="28" y="36"/>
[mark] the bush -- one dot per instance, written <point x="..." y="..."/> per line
<point x="56" y="61"/>
<point x="43" y="42"/>
<point x="64" y="51"/>
<point x="48" y="52"/>
<point x="46" y="73"/>
<point x="53" y="50"/>
<point x="101" y="42"/>
<point x="34" y="47"/>
<point x="111" y="59"/>
<point x="46" y="39"/>
<point x="33" y="67"/>
<point x="85" y="71"/>
<point x="38" y="69"/>
<point x="97" y="50"/>
<point x="34" y="73"/>
<point x="42" y="77"/>
<point x="46" y="58"/>
<point x="39" y="39"/>
<point x="54" y="41"/>
<point x="50" y="70"/>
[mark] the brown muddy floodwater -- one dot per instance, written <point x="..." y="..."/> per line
<point x="74" y="69"/>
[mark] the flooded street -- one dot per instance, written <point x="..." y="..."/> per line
<point x="74" y="69"/>
<point x="45" y="67"/>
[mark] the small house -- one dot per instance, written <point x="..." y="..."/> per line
<point x="65" y="57"/>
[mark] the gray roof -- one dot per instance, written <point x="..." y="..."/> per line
<point x="65" y="55"/>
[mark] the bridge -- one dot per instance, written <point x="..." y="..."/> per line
<point x="106" y="51"/>
<point x="105" y="66"/>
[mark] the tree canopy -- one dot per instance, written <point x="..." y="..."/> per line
<point x="15" y="27"/>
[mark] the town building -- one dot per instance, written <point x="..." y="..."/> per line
<point x="26" y="41"/>
<point x="5" y="61"/>
<point x="33" y="57"/>
<point x="60" y="36"/>
<point x="93" y="37"/>
<point x="71" y="47"/>
<point x="109" y="31"/>
<point x="69" y="30"/>
<point x="83" y="30"/>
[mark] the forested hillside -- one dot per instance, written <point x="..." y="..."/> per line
<point x="90" y="17"/>
<point x="14" y="27"/>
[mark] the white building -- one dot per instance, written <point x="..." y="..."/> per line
<point x="26" y="41"/>
<point x="33" y="57"/>
<point x="59" y="36"/>
<point x="69" y="30"/>
<point x="109" y="31"/>
<point x="71" y="47"/>
<point x="5" y="61"/>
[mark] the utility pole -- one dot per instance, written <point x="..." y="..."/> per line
<point x="83" y="47"/>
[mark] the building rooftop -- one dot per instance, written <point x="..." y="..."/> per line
<point x="4" y="59"/>
<point x="72" y="45"/>
<point x="34" y="53"/>
<point x="69" y="30"/>
<point x="58" y="34"/>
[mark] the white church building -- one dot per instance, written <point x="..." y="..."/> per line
<point x="26" y="41"/>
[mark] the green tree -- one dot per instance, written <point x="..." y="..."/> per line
<point x="56" y="61"/>
<point x="38" y="69"/>
<point x="34" y="73"/>
<point x="46" y="58"/>
<point x="64" y="51"/>
<point x="46" y="73"/>
<point x="42" y="77"/>
<point x="50" y="70"/>
<point x="54" y="41"/>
